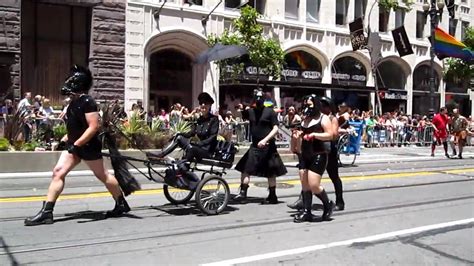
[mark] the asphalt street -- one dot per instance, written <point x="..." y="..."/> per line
<point x="402" y="207"/>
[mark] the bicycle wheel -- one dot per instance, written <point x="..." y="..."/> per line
<point x="212" y="195"/>
<point x="177" y="196"/>
<point x="344" y="156"/>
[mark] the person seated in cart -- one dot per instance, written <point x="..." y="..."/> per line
<point x="205" y="129"/>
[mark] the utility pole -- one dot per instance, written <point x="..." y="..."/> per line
<point x="435" y="10"/>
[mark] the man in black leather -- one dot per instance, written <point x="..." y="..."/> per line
<point x="262" y="158"/>
<point x="205" y="129"/>
<point x="83" y="144"/>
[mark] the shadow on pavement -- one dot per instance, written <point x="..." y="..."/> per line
<point x="10" y="256"/>
<point x="250" y="200"/>
<point x="91" y="216"/>
<point x="188" y="209"/>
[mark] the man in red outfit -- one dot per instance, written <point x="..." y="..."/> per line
<point x="440" y="133"/>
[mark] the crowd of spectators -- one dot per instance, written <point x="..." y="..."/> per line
<point x="389" y="129"/>
<point x="37" y="113"/>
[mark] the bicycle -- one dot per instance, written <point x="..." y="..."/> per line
<point x="344" y="155"/>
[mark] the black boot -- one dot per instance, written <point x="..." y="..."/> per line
<point x="44" y="216"/>
<point x="298" y="204"/>
<point x="339" y="206"/>
<point x="121" y="207"/>
<point x="170" y="148"/>
<point x="339" y="202"/>
<point x="328" y="205"/>
<point x="306" y="216"/>
<point x="242" y="196"/>
<point x="272" y="197"/>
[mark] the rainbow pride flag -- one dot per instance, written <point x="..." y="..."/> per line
<point x="446" y="45"/>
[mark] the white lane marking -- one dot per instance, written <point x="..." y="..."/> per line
<point x="373" y="238"/>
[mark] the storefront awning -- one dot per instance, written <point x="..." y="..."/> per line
<point x="295" y="84"/>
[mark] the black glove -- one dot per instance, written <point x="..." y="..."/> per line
<point x="189" y="146"/>
<point x="62" y="146"/>
<point x="73" y="149"/>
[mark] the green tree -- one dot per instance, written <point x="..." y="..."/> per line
<point x="458" y="71"/>
<point x="264" y="53"/>
<point x="395" y="4"/>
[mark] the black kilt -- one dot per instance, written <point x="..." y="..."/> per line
<point x="263" y="162"/>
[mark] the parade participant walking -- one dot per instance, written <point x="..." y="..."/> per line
<point x="440" y="133"/>
<point x="317" y="132"/>
<point x="328" y="108"/>
<point x="83" y="144"/>
<point x="262" y="158"/>
<point x="460" y="125"/>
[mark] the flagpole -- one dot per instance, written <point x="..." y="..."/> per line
<point x="435" y="10"/>
<point x="433" y="23"/>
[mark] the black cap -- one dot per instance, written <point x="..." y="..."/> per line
<point x="205" y="98"/>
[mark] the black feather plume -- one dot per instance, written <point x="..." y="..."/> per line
<point x="126" y="181"/>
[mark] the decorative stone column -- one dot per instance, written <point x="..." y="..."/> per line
<point x="10" y="43"/>
<point x="107" y="50"/>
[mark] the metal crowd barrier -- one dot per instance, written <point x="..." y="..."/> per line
<point x="399" y="136"/>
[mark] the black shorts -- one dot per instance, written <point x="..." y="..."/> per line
<point x="90" y="152"/>
<point x="316" y="163"/>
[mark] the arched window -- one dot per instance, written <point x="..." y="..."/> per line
<point x="170" y="79"/>
<point x="390" y="76"/>
<point x="302" y="66"/>
<point x="349" y="71"/>
<point x="421" y="78"/>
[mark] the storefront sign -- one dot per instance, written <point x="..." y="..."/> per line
<point x="298" y="74"/>
<point x="393" y="96"/>
<point x="343" y="76"/>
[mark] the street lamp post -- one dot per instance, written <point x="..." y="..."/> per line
<point x="435" y="10"/>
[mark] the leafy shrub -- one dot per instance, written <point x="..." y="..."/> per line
<point x="59" y="131"/>
<point x="30" y="146"/>
<point x="181" y="126"/>
<point x="4" y="144"/>
<point x="18" y="144"/>
<point x="160" y="140"/>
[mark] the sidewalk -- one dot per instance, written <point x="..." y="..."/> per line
<point x="367" y="156"/>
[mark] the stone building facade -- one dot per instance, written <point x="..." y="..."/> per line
<point x="41" y="39"/>
<point x="10" y="48"/>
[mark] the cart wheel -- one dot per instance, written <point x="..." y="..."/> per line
<point x="212" y="195"/>
<point x="176" y="195"/>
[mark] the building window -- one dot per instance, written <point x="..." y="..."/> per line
<point x="464" y="27"/>
<point x="359" y="8"/>
<point x="420" y="24"/>
<point x="232" y="3"/>
<point x="312" y="10"/>
<point x="259" y="5"/>
<point x="453" y="24"/>
<point x="194" y="2"/>
<point x="383" y="20"/>
<point x="399" y="18"/>
<point x="341" y="11"/>
<point x="292" y="8"/>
